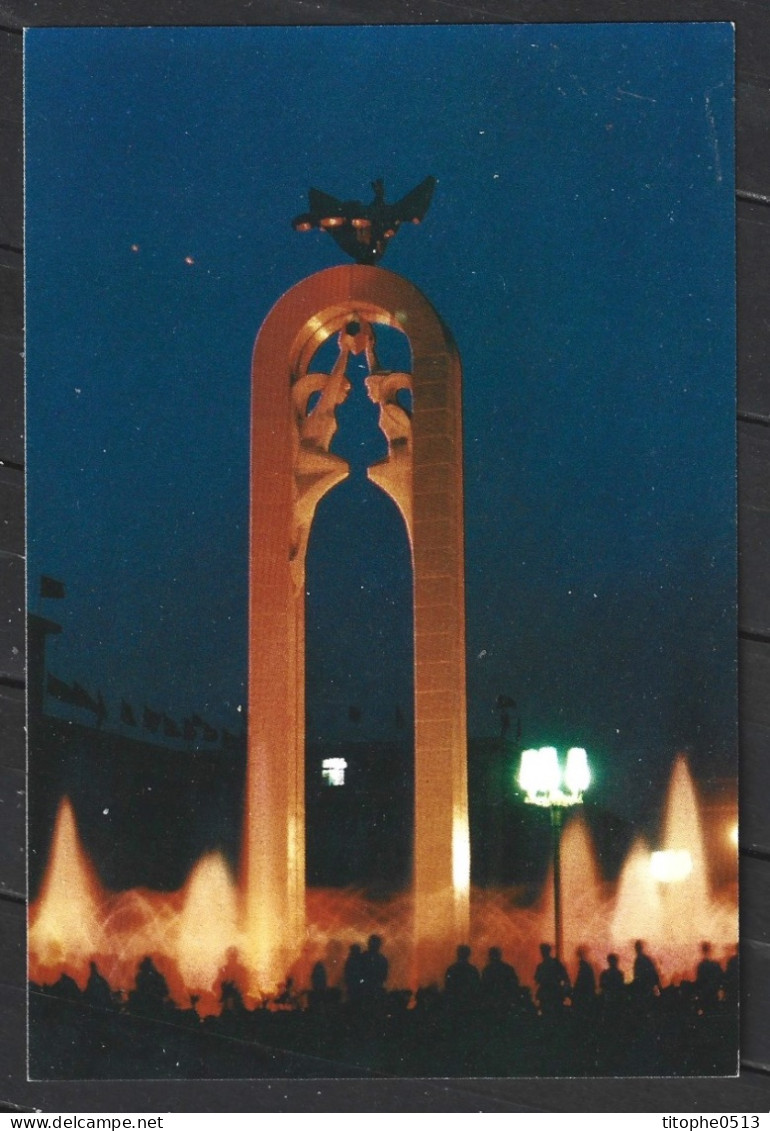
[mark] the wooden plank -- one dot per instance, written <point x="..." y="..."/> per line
<point x="754" y="687"/>
<point x="12" y="180"/>
<point x="11" y="277"/>
<point x="753" y="255"/>
<point x="11" y="573"/>
<point x="754" y="669"/>
<point x="11" y="158"/>
<point x="11" y="511"/>
<point x="11" y="77"/>
<point x="754" y="787"/>
<point x="13" y="869"/>
<point x="13" y="943"/>
<point x="755" y="900"/>
<point x="754" y="528"/>
<point x="752" y="137"/>
<point x="755" y="1004"/>
<point x="752" y="153"/>
<point x="12" y="637"/>
<point x="13" y="751"/>
<point x="11" y="296"/>
<point x="12" y="393"/>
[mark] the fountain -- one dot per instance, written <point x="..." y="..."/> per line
<point x="676" y="911"/>
<point x="584" y="898"/>
<point x="65" y="920"/>
<point x="195" y="935"/>
<point x="637" y="911"/>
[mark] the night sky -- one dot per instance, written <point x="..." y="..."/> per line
<point x="579" y="246"/>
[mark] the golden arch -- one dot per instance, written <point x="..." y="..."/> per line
<point x="273" y="866"/>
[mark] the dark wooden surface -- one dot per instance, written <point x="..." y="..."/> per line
<point x="751" y="1090"/>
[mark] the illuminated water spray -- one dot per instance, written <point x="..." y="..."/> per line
<point x="196" y="935"/>
<point x="688" y="896"/>
<point x="665" y="897"/>
<point x="66" y="918"/>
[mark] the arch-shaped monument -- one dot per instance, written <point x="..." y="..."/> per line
<point x="291" y="469"/>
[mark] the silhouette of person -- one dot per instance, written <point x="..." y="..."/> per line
<point x="150" y="993"/>
<point x="374" y="969"/>
<point x="462" y="983"/>
<point x="98" y="991"/>
<point x="354" y="974"/>
<point x="708" y="979"/>
<point x="584" y="988"/>
<point x="499" y="982"/>
<point x="318" y="986"/>
<point x="232" y="977"/>
<point x="288" y="996"/>
<point x="646" y="978"/>
<point x="231" y="998"/>
<point x="612" y="980"/>
<point x="552" y="982"/>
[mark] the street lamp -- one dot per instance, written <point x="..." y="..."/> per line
<point x="543" y="782"/>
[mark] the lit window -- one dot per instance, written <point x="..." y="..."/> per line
<point x="333" y="771"/>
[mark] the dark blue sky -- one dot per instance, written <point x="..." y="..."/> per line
<point x="580" y="248"/>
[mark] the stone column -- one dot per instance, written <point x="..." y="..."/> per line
<point x="284" y="493"/>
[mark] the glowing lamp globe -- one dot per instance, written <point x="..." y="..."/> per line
<point x="528" y="775"/>
<point x="541" y="779"/>
<point x="540" y="775"/>
<point x="577" y="776"/>
<point x="548" y="770"/>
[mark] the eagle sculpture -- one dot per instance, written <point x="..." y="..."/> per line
<point x="363" y="230"/>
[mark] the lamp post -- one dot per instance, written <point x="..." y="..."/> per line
<point x="545" y="784"/>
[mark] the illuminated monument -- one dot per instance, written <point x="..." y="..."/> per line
<point x="292" y="468"/>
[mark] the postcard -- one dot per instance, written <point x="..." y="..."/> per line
<point x="381" y="551"/>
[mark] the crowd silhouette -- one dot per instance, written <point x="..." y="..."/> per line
<point x="478" y="1022"/>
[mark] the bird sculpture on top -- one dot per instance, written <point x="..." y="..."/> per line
<point x="363" y="230"/>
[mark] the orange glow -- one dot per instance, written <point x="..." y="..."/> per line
<point x="638" y="912"/>
<point x="64" y="921"/>
<point x="189" y="260"/>
<point x="671" y="867"/>
<point x="196" y="938"/>
<point x="207" y="928"/>
<point x="671" y="917"/>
